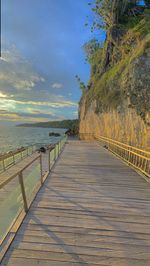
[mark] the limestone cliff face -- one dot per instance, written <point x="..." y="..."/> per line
<point x="127" y="127"/>
<point x="117" y="105"/>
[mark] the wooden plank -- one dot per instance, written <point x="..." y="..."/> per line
<point x="133" y="252"/>
<point x="73" y="257"/>
<point x="92" y="210"/>
<point x="84" y="240"/>
<point x="41" y="262"/>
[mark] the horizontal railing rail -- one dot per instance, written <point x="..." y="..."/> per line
<point x="136" y="157"/>
<point x="11" y="177"/>
<point x="17" y="189"/>
<point x="7" y="160"/>
<point x="127" y="146"/>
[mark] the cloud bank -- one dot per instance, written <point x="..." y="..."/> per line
<point x="25" y="94"/>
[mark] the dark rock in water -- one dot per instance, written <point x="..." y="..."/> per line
<point x="42" y="149"/>
<point x="53" y="134"/>
<point x="72" y="132"/>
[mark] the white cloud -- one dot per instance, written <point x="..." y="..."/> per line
<point x="24" y="93"/>
<point x="17" y="72"/>
<point x="24" y="84"/>
<point x="31" y="116"/>
<point x="57" y="85"/>
<point x="10" y="56"/>
<point x="75" y="114"/>
<point x="2" y="95"/>
<point x="59" y="104"/>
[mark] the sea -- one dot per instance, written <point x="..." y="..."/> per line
<point x="12" y="137"/>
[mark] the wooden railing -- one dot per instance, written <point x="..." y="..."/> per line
<point x="7" y="160"/>
<point x="138" y="158"/>
<point x="18" y="189"/>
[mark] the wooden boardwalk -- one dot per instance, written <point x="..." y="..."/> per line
<point x="92" y="210"/>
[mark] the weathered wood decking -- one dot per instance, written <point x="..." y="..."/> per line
<point x="92" y="210"/>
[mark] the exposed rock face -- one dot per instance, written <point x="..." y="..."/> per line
<point x="127" y="127"/>
<point x="137" y="84"/>
<point x="124" y="113"/>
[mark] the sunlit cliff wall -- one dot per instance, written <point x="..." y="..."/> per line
<point x="117" y="102"/>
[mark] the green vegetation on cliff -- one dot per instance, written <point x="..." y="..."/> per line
<point x="120" y="68"/>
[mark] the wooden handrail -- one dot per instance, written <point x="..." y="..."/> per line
<point x="138" y="158"/>
<point x="20" y="171"/>
<point x="123" y="144"/>
<point x="12" y="155"/>
<point x="6" y="181"/>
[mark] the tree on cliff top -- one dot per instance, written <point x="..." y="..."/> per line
<point x="110" y="13"/>
<point x="90" y="48"/>
<point x="81" y="84"/>
<point x="147" y="3"/>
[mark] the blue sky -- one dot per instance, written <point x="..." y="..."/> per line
<point x="41" y="54"/>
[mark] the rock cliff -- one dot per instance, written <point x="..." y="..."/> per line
<point x="117" y="101"/>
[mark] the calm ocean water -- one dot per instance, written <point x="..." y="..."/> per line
<point x="12" y="137"/>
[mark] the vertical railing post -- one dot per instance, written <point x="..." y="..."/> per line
<point x="41" y="169"/>
<point x="59" y="146"/>
<point x="13" y="159"/>
<point x="128" y="155"/>
<point x="23" y="191"/>
<point x="145" y="167"/>
<point x="49" y="160"/>
<point x="107" y="144"/>
<point x="4" y="165"/>
<point x="57" y="149"/>
<point x="55" y="153"/>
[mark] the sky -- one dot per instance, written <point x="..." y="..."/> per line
<point x="41" y="54"/>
